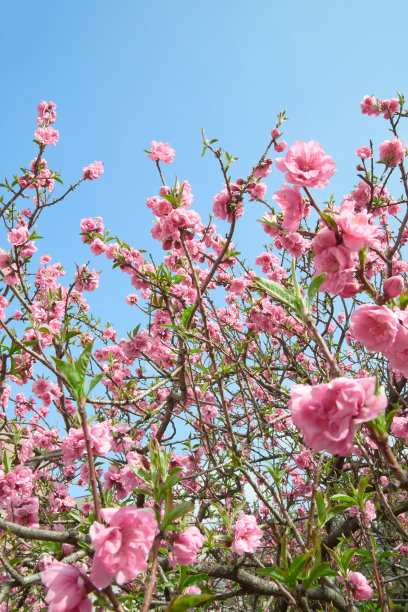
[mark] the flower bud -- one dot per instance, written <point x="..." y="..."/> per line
<point x="393" y="286"/>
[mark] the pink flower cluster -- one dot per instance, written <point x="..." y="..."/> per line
<point x="161" y="151"/>
<point x="328" y="415"/>
<point x="74" y="447"/>
<point x="93" y="171"/>
<point x="45" y="134"/>
<point x="223" y="206"/>
<point x="373" y="106"/>
<point x="360" y="587"/>
<point x="247" y="535"/>
<point x="122" y="548"/>
<point x="337" y="261"/>
<point x="292" y="205"/>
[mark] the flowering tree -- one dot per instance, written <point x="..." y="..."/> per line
<point x="244" y="449"/>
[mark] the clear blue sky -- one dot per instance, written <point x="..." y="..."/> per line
<point x="124" y="73"/>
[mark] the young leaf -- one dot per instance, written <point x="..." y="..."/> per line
<point x="186" y="602"/>
<point x="315" y="286"/>
<point x="83" y="361"/>
<point x="176" y="512"/>
<point x="279" y="293"/>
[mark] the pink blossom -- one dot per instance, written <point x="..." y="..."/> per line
<point x="399" y="427"/>
<point x="364" y="153"/>
<point x="161" y="151"/>
<point x="86" y="280"/>
<point x="186" y="546"/>
<point x="19" y="235"/>
<point x="358" y="231"/>
<point x="369" y="106"/>
<point x="360" y="587"/>
<point x="389" y="107"/>
<point x="393" y="286"/>
<point x="280" y="146"/>
<point x="307" y="165"/>
<point x="46" y="113"/>
<point x="257" y="190"/>
<point x="122" y="548"/>
<point x="292" y="205"/>
<point x="338" y="262"/>
<point x="263" y="170"/>
<point x="47" y="136"/>
<point x="375" y="326"/>
<point x="93" y="171"/>
<point x="392" y="152"/>
<point x="247" y="535"/>
<point x="327" y="415"/>
<point x="66" y="591"/>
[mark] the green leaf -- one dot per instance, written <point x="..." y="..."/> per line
<point x="343" y="498"/>
<point x="186" y="315"/>
<point x="318" y="571"/>
<point x="70" y="373"/>
<point x="330" y="222"/>
<point x="315" y="286"/>
<point x="170" y="482"/>
<point x="296" y="567"/>
<point x="83" y="361"/>
<point x="194" y="579"/>
<point x="273" y="572"/>
<point x="96" y="379"/>
<point x="321" y="507"/>
<point x="177" y="512"/>
<point x="279" y="293"/>
<point x="185" y="602"/>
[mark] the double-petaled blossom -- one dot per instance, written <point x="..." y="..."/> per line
<point x="247" y="535"/>
<point x="93" y="171"/>
<point x="392" y="152"/>
<point x="122" y="548"/>
<point x="292" y="205"/>
<point x="307" y="165"/>
<point x="360" y="587"/>
<point x="66" y="590"/>
<point x="186" y="546"/>
<point x="375" y="326"/>
<point x="161" y="151"/>
<point x="327" y="415"/>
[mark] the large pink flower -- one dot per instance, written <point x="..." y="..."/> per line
<point x="337" y="261"/>
<point x="307" y="165"/>
<point x="375" y="326"/>
<point x="186" y="546"/>
<point x="247" y="535"/>
<point x="397" y="353"/>
<point x="122" y="548"/>
<point x="65" y="589"/>
<point x="327" y="415"/>
<point x="161" y="151"/>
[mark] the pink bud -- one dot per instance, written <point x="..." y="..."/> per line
<point x="275" y="133"/>
<point x="393" y="286"/>
<point x="280" y="146"/>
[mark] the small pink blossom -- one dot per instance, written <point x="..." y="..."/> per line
<point x="66" y="591"/>
<point x="161" y="151"/>
<point x="186" y="546"/>
<point x="292" y="205"/>
<point x="389" y="107"/>
<point x="392" y="152"/>
<point x="93" y="171"/>
<point x="369" y="106"/>
<point x="47" y="136"/>
<point x="247" y="535"/>
<point x="280" y="146"/>
<point x="360" y="587"/>
<point x="327" y="415"/>
<point x="307" y="165"/>
<point x="364" y="153"/>
<point x="122" y="548"/>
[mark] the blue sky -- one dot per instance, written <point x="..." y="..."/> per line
<point x="127" y="72"/>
